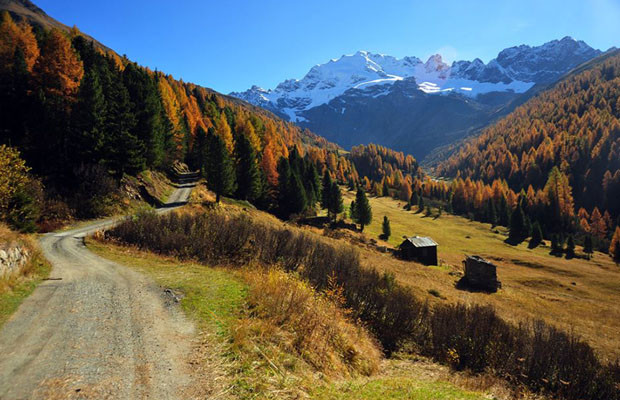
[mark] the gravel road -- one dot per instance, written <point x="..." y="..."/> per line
<point x="101" y="331"/>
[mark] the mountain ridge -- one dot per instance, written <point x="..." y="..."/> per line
<point x="371" y="85"/>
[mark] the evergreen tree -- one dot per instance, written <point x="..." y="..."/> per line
<point x="413" y="201"/>
<point x="614" y="247"/>
<point x="312" y="183"/>
<point x="387" y="231"/>
<point x="352" y="210"/>
<point x="386" y="188"/>
<point x="221" y="170"/>
<point x="335" y="206"/>
<point x="420" y="204"/>
<point x="298" y="199"/>
<point x="326" y="186"/>
<point x="147" y="109"/>
<point x="570" y="247"/>
<point x="124" y="151"/>
<point x="88" y="120"/>
<point x="363" y="211"/>
<point x="491" y="213"/>
<point x="518" y="228"/>
<point x="291" y="192"/>
<point x="537" y="235"/>
<point x="587" y="246"/>
<point x="249" y="185"/>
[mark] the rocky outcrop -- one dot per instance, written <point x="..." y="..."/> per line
<point x="12" y="258"/>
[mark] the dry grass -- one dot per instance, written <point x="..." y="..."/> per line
<point x="287" y="312"/>
<point x="269" y="332"/>
<point x="575" y="295"/>
<point x="15" y="288"/>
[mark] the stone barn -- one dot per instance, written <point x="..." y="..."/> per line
<point x="480" y="274"/>
<point x="419" y="248"/>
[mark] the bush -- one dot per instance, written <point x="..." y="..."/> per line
<point x="466" y="337"/>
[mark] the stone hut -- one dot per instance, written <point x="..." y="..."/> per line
<point x="419" y="248"/>
<point x="480" y="274"/>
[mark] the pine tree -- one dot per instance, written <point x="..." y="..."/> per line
<point x="587" y="246"/>
<point x="221" y="170"/>
<point x="387" y="231"/>
<point x="386" y="188"/>
<point x="335" y="206"/>
<point x="326" y="186"/>
<point x="491" y="213"/>
<point x="420" y="204"/>
<point x="248" y="174"/>
<point x="537" y="235"/>
<point x="517" y="225"/>
<point x="363" y="211"/>
<point x="88" y="120"/>
<point x="147" y="108"/>
<point x="570" y="247"/>
<point x="614" y="246"/>
<point x="291" y="192"/>
<point x="352" y="210"/>
<point x="124" y="152"/>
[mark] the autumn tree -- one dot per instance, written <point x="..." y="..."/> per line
<point x="58" y="70"/>
<point x="614" y="247"/>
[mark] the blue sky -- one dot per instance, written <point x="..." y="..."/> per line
<point x="231" y="44"/>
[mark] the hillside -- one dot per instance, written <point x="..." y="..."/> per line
<point x="82" y="118"/>
<point x="575" y="126"/>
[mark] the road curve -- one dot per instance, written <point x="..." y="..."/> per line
<point x="101" y="331"/>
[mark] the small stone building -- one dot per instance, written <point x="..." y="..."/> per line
<point x="419" y="248"/>
<point x="480" y="274"/>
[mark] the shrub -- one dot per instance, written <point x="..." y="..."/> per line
<point x="467" y="337"/>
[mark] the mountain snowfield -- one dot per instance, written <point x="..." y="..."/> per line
<point x="515" y="70"/>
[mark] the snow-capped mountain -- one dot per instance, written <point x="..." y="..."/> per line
<point x="322" y="98"/>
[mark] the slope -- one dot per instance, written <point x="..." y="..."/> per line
<point x="574" y="125"/>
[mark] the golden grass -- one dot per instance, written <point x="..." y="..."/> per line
<point x="15" y="288"/>
<point x="577" y="295"/>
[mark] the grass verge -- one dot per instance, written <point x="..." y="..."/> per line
<point x="14" y="290"/>
<point x="259" y="340"/>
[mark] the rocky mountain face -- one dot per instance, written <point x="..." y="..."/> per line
<point x="411" y="105"/>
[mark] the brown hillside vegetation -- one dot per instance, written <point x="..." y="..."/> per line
<point x="471" y="337"/>
<point x="577" y="295"/>
<point x="574" y="126"/>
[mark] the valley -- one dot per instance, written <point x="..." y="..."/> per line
<point x="576" y="295"/>
<point x="161" y="239"/>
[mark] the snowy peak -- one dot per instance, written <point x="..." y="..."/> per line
<point x="516" y="69"/>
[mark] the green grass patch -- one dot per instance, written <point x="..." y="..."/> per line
<point x="14" y="293"/>
<point x="212" y="297"/>
<point x="392" y="389"/>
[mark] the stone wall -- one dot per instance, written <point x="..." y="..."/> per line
<point x="12" y="258"/>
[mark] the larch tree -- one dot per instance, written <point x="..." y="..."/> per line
<point x="58" y="70"/>
<point x="614" y="246"/>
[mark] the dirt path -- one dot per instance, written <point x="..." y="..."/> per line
<point x="101" y="331"/>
